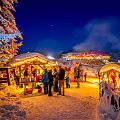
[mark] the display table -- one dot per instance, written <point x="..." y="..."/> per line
<point x="28" y="90"/>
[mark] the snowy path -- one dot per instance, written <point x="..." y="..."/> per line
<point x="77" y="104"/>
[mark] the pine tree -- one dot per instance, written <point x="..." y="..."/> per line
<point x="8" y="31"/>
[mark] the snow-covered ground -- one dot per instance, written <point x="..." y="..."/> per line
<point x="77" y="104"/>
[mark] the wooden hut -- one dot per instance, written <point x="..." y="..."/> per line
<point x="111" y="73"/>
<point x="27" y="61"/>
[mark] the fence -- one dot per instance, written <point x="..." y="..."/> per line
<point x="109" y="103"/>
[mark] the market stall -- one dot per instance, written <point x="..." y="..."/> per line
<point x="110" y="73"/>
<point x="110" y="90"/>
<point x="28" y="69"/>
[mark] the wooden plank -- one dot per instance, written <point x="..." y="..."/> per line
<point x="3" y="79"/>
<point x="8" y="76"/>
<point x="6" y="79"/>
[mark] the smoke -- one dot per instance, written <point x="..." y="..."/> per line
<point x="100" y="35"/>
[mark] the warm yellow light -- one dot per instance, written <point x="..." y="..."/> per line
<point x="23" y="61"/>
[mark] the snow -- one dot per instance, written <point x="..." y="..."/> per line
<point x="108" y="109"/>
<point x="9" y="36"/>
<point x="77" y="104"/>
<point x="29" y="55"/>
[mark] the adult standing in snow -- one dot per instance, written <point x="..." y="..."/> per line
<point x="85" y="76"/>
<point x="113" y="77"/>
<point x="50" y="82"/>
<point x="78" y="77"/>
<point x="26" y="73"/>
<point x="67" y="72"/>
<point x="61" y="76"/>
<point x="45" y="81"/>
<point x="55" y="75"/>
<point x="75" y="70"/>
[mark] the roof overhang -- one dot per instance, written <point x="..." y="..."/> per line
<point x="29" y="58"/>
<point x="111" y="66"/>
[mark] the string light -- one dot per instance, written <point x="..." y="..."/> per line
<point x="19" y="62"/>
<point x="110" y="67"/>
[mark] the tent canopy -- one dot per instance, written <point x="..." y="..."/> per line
<point x="107" y="67"/>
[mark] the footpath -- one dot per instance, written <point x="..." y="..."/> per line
<point x="77" y="104"/>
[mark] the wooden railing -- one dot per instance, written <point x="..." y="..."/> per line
<point x="109" y="104"/>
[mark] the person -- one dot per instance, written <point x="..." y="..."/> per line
<point x="55" y="75"/>
<point x="17" y="76"/>
<point x="113" y="77"/>
<point x="34" y="72"/>
<point x="45" y="81"/>
<point x="75" y="70"/>
<point x="67" y="72"/>
<point x="85" y="76"/>
<point x="26" y="73"/>
<point x="50" y="82"/>
<point x="61" y="76"/>
<point x="101" y="86"/>
<point x="78" y="77"/>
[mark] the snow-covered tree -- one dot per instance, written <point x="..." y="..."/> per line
<point x="8" y="31"/>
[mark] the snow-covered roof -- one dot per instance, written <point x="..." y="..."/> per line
<point x="29" y="57"/>
<point x="86" y="53"/>
<point x="107" y="67"/>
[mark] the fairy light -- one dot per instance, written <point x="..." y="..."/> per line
<point x="19" y="62"/>
<point x="109" y="67"/>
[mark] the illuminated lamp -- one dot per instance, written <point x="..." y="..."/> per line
<point x="50" y="57"/>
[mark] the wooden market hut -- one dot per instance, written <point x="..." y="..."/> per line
<point x="20" y="62"/>
<point x="110" y="71"/>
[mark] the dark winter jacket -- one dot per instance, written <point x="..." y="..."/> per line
<point x="50" y="77"/>
<point x="61" y="74"/>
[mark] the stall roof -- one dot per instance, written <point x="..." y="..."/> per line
<point x="29" y="57"/>
<point x="110" y="66"/>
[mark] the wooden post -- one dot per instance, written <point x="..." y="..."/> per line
<point x="8" y="76"/>
<point x="20" y="76"/>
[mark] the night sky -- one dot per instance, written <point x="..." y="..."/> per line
<point x="60" y="25"/>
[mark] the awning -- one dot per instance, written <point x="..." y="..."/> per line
<point x="111" y="66"/>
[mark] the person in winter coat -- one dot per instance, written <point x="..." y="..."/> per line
<point x="67" y="72"/>
<point x="50" y="82"/>
<point x="26" y="73"/>
<point x="61" y="76"/>
<point x="45" y="81"/>
<point x="75" y="70"/>
<point x="113" y="77"/>
<point x="78" y="77"/>
<point x="85" y="76"/>
<point x="55" y="75"/>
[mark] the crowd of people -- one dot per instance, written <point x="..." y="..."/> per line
<point x="56" y="80"/>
